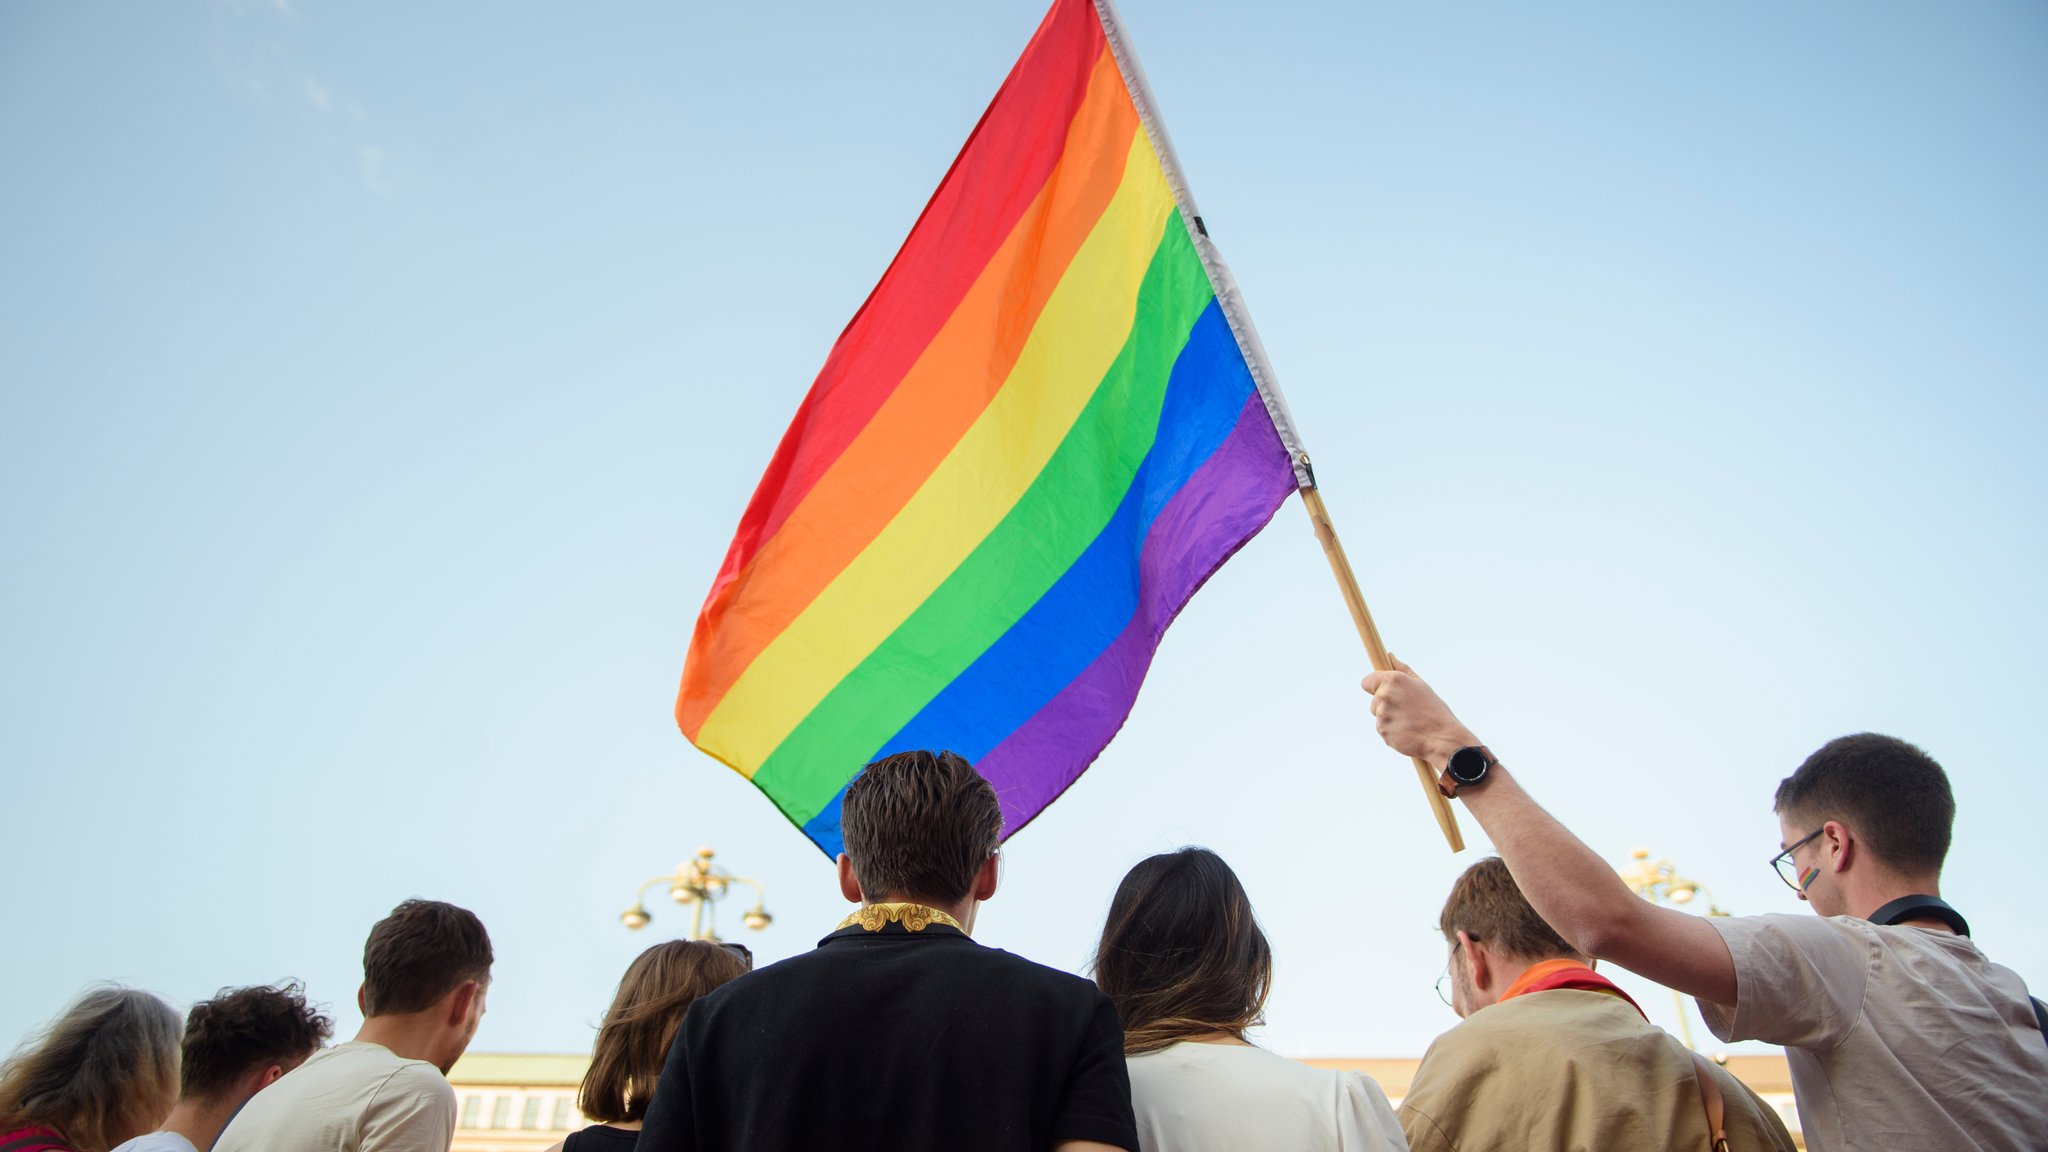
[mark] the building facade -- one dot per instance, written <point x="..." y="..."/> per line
<point x="515" y="1101"/>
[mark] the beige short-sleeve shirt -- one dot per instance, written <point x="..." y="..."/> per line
<point x="353" y="1097"/>
<point x="1897" y="1037"/>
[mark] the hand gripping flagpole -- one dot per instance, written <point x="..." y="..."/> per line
<point x="1234" y="312"/>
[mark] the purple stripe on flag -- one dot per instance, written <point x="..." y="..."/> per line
<point x="1228" y="499"/>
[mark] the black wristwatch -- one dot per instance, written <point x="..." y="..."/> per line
<point x="1466" y="768"/>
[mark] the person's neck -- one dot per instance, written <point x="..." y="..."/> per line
<point x="1508" y="971"/>
<point x="1866" y="898"/>
<point x="961" y="909"/>
<point x="201" y="1121"/>
<point x="412" y="1036"/>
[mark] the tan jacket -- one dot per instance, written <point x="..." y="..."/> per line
<point x="1571" y="1071"/>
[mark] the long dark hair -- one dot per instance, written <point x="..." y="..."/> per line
<point x="1182" y="955"/>
<point x="633" y="1041"/>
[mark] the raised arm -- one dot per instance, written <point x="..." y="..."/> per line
<point x="1567" y="882"/>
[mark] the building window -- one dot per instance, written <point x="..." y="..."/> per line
<point x="530" y="1118"/>
<point x="472" y="1111"/>
<point x="562" y="1120"/>
<point x="501" y="1112"/>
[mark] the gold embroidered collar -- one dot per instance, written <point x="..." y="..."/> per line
<point x="913" y="917"/>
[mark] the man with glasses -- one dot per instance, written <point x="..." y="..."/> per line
<point x="1552" y="1055"/>
<point x="1898" y="1030"/>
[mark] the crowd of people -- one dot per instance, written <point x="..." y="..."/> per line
<point x="900" y="1031"/>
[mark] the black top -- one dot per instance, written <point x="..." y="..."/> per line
<point x="911" y="1041"/>
<point x="601" y="1138"/>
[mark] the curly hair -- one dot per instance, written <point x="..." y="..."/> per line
<point x="245" y="1029"/>
<point x="103" y="1073"/>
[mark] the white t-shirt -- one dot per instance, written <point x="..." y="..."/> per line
<point x="1196" y="1097"/>
<point x="353" y="1097"/>
<point x="1901" y="1037"/>
<point x="157" y="1142"/>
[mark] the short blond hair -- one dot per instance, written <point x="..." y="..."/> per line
<point x="1487" y="905"/>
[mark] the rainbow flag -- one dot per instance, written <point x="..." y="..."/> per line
<point x="1046" y="427"/>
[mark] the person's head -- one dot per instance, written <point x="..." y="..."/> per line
<point x="431" y="961"/>
<point x="920" y="826"/>
<point x="103" y="1073"/>
<point x="1494" y="935"/>
<point x="633" y="1041"/>
<point x="1874" y="814"/>
<point x="1181" y="954"/>
<point x="242" y="1040"/>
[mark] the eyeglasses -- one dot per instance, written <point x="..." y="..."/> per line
<point x="745" y="953"/>
<point x="1442" y="993"/>
<point x="1788" y="871"/>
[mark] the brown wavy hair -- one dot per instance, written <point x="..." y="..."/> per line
<point x="242" y="1030"/>
<point x="633" y="1040"/>
<point x="103" y="1073"/>
<point x="1182" y="954"/>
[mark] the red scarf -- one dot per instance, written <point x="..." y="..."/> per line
<point x="1551" y="975"/>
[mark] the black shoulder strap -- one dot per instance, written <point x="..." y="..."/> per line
<point x="2040" y="1018"/>
<point x="1913" y="907"/>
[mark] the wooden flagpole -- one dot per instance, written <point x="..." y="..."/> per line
<point x="1375" y="650"/>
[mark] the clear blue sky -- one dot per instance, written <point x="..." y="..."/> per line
<point x="380" y="384"/>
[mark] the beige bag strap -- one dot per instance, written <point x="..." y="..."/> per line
<point x="1710" y="1095"/>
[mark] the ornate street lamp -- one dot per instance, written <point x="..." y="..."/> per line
<point x="699" y="885"/>
<point x="1659" y="882"/>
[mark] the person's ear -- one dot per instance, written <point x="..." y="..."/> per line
<point x="268" y="1076"/>
<point x="1477" y="960"/>
<point x="849" y="884"/>
<point x="461" y="1001"/>
<point x="363" y="1000"/>
<point x="1841" y="845"/>
<point x="988" y="877"/>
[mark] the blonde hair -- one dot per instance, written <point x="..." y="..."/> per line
<point x="101" y="1074"/>
<point x="633" y="1041"/>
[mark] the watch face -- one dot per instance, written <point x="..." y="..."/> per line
<point x="1467" y="766"/>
